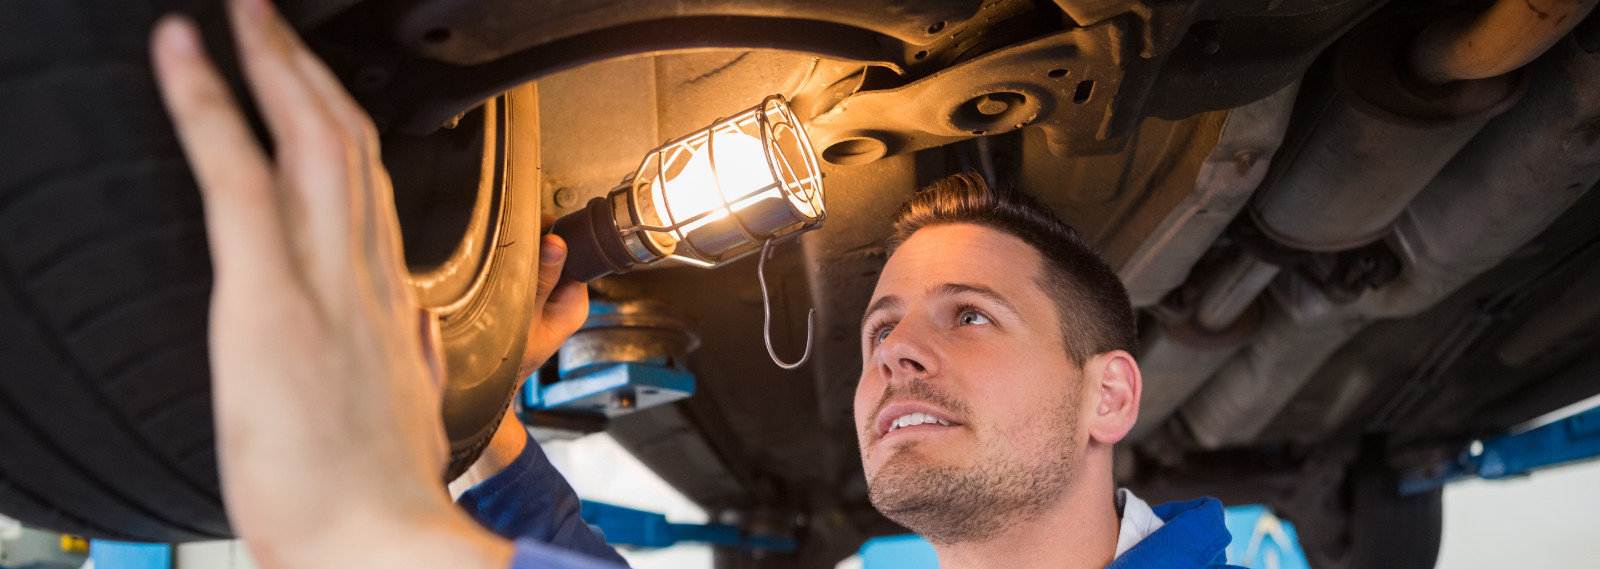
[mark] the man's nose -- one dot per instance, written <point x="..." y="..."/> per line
<point x="907" y="353"/>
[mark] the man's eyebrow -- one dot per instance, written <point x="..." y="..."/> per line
<point x="952" y="289"/>
<point x="883" y="303"/>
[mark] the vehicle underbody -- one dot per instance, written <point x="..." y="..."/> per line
<point x="1346" y="268"/>
<point x="1342" y="272"/>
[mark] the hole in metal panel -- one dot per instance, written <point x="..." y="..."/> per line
<point x="436" y="35"/>
<point x="1084" y="90"/>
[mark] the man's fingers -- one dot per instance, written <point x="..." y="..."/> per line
<point x="552" y="256"/>
<point x="328" y="154"/>
<point x="321" y="79"/>
<point x="293" y="110"/>
<point x="559" y="308"/>
<point x="372" y="199"/>
<point x="316" y="161"/>
<point x="567" y="308"/>
<point x="562" y="314"/>
<point x="243" y="219"/>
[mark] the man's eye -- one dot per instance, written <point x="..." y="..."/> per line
<point x="972" y="317"/>
<point x="881" y="334"/>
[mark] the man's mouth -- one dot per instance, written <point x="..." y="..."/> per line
<point x="916" y="419"/>
<point x="913" y="416"/>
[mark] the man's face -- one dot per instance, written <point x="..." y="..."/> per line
<point x="967" y="409"/>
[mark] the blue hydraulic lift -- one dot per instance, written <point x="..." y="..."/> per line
<point x="1572" y="439"/>
<point x="627" y="527"/>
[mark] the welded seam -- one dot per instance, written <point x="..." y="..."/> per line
<point x="718" y="69"/>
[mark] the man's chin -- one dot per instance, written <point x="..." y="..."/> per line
<point x="939" y="503"/>
<point x="904" y="482"/>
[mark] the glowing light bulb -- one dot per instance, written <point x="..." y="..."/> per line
<point x="741" y="168"/>
<point x="719" y="193"/>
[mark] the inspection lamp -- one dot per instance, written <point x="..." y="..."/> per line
<point x="715" y="195"/>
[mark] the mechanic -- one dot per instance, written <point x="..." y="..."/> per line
<point x="997" y="375"/>
<point x="987" y="408"/>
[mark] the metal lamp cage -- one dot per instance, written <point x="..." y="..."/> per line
<point x="790" y="204"/>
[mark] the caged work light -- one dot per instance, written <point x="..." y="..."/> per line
<point x="718" y="194"/>
<point x="715" y="195"/>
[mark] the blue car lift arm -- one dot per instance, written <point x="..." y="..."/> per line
<point x="627" y="527"/>
<point x="1571" y="439"/>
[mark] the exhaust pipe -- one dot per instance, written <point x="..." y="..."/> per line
<point x="1502" y="39"/>
<point x="1517" y="176"/>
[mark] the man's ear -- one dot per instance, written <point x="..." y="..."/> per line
<point x="1117" y="386"/>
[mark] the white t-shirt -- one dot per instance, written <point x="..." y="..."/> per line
<point x="1138" y="520"/>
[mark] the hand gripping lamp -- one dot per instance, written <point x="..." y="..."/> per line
<point x="716" y="195"/>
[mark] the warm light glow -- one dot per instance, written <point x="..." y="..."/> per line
<point x="741" y="184"/>
<point x="741" y="167"/>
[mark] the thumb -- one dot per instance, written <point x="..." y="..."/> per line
<point x="559" y="308"/>
<point x="552" y="257"/>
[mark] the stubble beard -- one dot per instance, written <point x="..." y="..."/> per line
<point x="948" y="505"/>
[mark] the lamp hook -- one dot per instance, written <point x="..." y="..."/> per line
<point x="766" y="313"/>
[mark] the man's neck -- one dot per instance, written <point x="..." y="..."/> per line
<point x="1078" y="532"/>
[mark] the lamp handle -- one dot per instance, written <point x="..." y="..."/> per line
<point x="593" y="248"/>
<point x="766" y="314"/>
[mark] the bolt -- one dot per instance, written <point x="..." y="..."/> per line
<point x="990" y="105"/>
<point x="623" y="399"/>
<point x="1246" y="159"/>
<point x="370" y="79"/>
<point x="565" y="197"/>
<point x="436" y="35"/>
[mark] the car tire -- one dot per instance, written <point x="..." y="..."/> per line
<point x="1383" y="529"/>
<point x="105" y="279"/>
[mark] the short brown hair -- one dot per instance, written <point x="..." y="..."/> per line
<point x="1096" y="315"/>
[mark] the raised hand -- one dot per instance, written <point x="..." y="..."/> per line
<point x="330" y="441"/>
